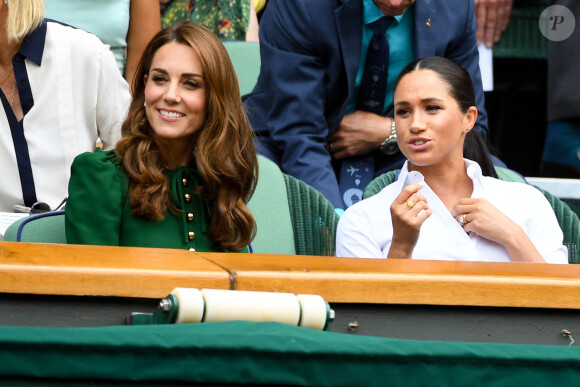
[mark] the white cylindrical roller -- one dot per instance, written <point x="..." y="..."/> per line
<point x="191" y="305"/>
<point x="226" y="305"/>
<point x="314" y="311"/>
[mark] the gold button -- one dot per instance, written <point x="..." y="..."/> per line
<point x="190" y="235"/>
<point x="190" y="217"/>
<point x="184" y="182"/>
<point x="187" y="197"/>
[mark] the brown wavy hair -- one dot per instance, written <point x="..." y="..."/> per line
<point x="224" y="152"/>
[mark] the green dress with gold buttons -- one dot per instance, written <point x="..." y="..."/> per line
<point x="98" y="211"/>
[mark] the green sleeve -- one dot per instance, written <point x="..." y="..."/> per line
<point x="96" y="199"/>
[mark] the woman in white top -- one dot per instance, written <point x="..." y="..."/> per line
<point x="444" y="206"/>
<point x="60" y="90"/>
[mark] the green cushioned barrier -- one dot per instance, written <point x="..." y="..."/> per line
<point x="269" y="206"/>
<point x="273" y="353"/>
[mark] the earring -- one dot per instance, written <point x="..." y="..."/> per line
<point x="144" y="102"/>
<point x="6" y="2"/>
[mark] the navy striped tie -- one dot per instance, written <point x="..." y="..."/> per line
<point x="356" y="172"/>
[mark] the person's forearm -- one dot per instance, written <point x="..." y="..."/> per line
<point x="521" y="249"/>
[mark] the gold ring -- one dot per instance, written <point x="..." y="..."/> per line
<point x="462" y="219"/>
<point x="410" y="203"/>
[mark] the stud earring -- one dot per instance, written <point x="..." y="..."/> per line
<point x="6" y="2"/>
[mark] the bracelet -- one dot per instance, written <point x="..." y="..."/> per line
<point x="389" y="146"/>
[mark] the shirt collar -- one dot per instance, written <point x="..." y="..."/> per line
<point x="33" y="44"/>
<point x="372" y="13"/>
<point x="407" y="177"/>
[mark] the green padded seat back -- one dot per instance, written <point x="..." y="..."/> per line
<point x="509" y="175"/>
<point x="567" y="219"/>
<point x="269" y="206"/>
<point x="380" y="182"/>
<point x="245" y="57"/>
<point x="291" y="216"/>
<point x="41" y="228"/>
<point x="569" y="223"/>
<point x="314" y="219"/>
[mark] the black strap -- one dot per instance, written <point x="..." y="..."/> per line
<point x="22" y="155"/>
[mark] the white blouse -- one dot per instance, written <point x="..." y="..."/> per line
<point x="71" y="92"/>
<point x="365" y="230"/>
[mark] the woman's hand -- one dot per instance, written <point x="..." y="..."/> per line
<point x="408" y="212"/>
<point x="481" y="217"/>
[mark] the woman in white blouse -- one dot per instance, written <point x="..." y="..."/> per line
<point x="444" y="206"/>
<point x="61" y="89"/>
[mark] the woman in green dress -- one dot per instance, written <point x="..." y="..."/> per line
<point x="186" y="166"/>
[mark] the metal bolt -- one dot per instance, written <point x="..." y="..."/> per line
<point x="165" y="305"/>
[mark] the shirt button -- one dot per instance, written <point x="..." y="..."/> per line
<point x="190" y="217"/>
<point x="190" y="235"/>
<point x="184" y="182"/>
<point x="187" y="197"/>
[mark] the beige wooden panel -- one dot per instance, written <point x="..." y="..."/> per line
<point x="408" y="281"/>
<point x="35" y="268"/>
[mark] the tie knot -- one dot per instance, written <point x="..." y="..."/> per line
<point x="382" y="24"/>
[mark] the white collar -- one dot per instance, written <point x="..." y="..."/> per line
<point x="472" y="169"/>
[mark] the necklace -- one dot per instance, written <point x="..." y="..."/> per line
<point x="13" y="93"/>
<point x="7" y="75"/>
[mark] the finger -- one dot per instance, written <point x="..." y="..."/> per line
<point x="501" y="23"/>
<point x="505" y="16"/>
<point x="407" y="192"/>
<point x="480" y="12"/>
<point x="330" y="147"/>
<point x="490" y="25"/>
<point x="418" y="208"/>
<point x="414" y="199"/>
<point x="340" y="152"/>
<point x="463" y="219"/>
<point x="422" y="217"/>
<point x="459" y="209"/>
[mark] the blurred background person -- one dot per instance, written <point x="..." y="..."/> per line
<point x="61" y="89"/>
<point x="228" y="19"/>
<point x="125" y="25"/>
<point x="561" y="154"/>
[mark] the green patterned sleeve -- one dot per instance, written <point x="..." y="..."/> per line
<point x="96" y="198"/>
